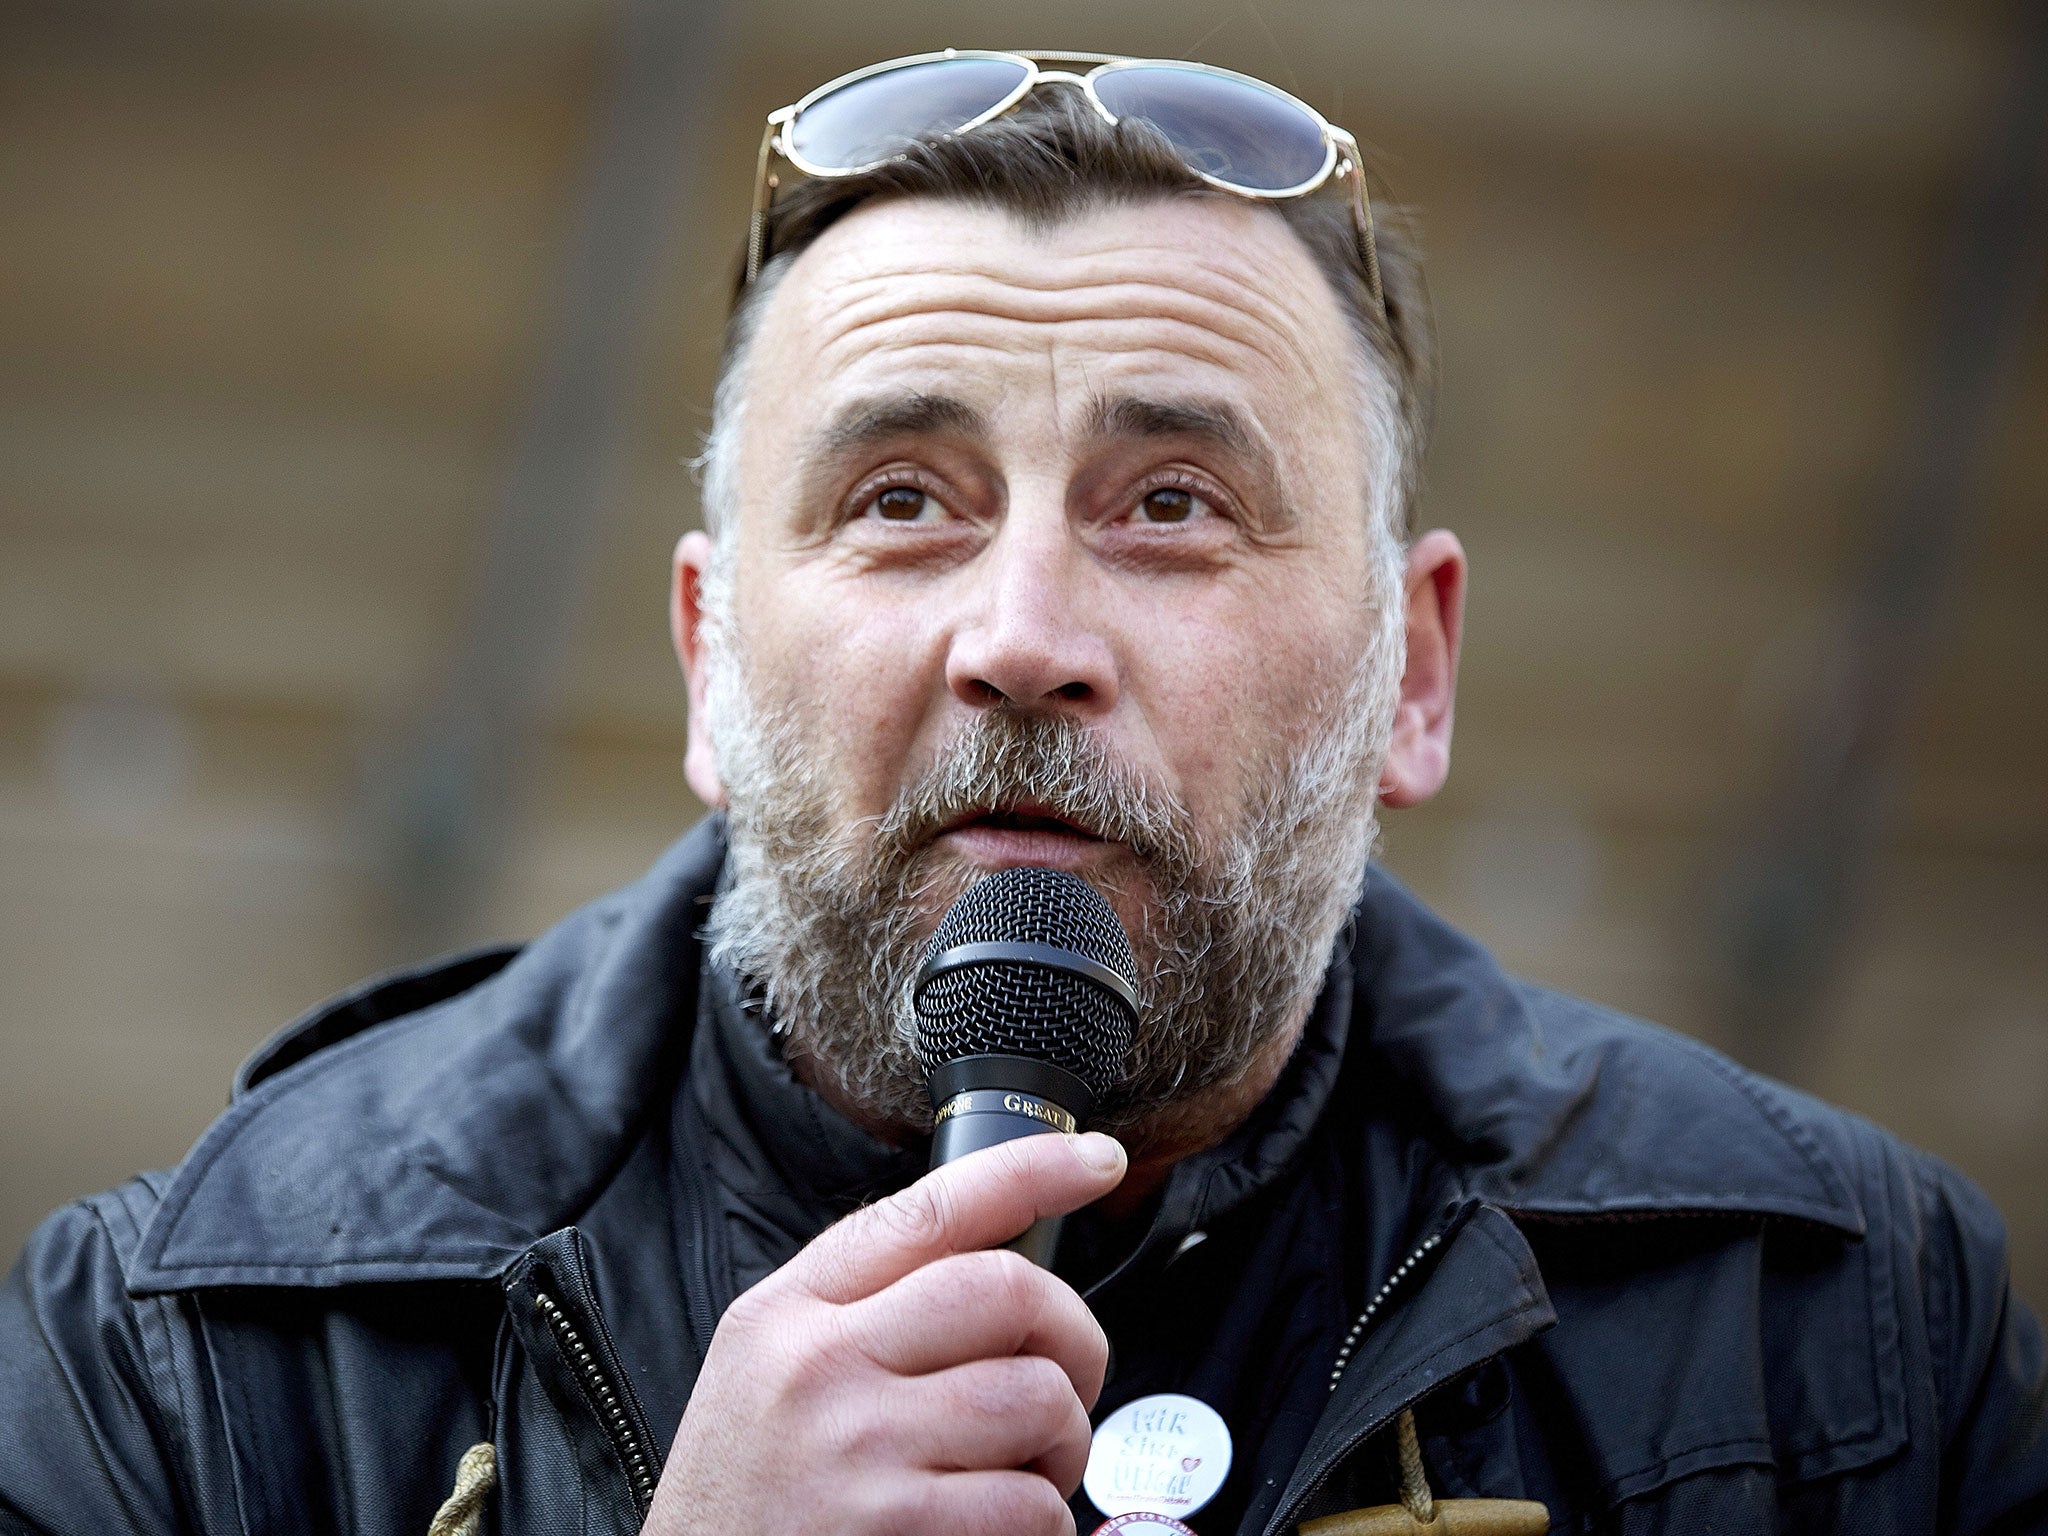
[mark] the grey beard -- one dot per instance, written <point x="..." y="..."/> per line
<point x="831" y="921"/>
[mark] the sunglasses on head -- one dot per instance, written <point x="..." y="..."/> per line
<point x="1237" y="134"/>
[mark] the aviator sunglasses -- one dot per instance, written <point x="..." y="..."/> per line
<point x="1236" y="133"/>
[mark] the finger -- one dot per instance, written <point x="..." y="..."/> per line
<point x="980" y="1306"/>
<point x="986" y="1198"/>
<point x="993" y="1415"/>
<point x="991" y="1504"/>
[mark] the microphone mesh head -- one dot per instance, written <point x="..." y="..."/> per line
<point x="1016" y="1008"/>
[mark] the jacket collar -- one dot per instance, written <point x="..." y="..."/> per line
<point x="435" y="1125"/>
<point x="1555" y="1108"/>
<point x="448" y="1118"/>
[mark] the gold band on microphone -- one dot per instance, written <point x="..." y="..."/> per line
<point x="981" y="1101"/>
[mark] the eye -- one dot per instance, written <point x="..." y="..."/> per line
<point x="1165" y="504"/>
<point x="903" y="504"/>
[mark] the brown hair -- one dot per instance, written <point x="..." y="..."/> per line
<point x="1054" y="157"/>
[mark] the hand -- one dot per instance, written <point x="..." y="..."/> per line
<point x="902" y="1376"/>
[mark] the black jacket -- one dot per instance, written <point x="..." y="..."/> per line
<point x="494" y="1200"/>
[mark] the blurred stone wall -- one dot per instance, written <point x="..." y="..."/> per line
<point x="276" y="280"/>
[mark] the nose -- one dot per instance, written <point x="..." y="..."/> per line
<point x="1031" y="635"/>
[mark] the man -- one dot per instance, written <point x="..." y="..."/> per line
<point x="1057" y="506"/>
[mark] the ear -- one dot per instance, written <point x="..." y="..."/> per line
<point x="686" y="626"/>
<point x="1419" y="759"/>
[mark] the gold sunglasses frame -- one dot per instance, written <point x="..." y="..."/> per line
<point x="1341" y="156"/>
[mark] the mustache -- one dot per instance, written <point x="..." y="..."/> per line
<point x="1006" y="756"/>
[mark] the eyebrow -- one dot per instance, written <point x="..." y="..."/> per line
<point x="1217" y="423"/>
<point x="911" y="414"/>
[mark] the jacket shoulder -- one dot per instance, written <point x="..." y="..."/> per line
<point x="1685" y="1121"/>
<point x="431" y="1126"/>
<point x="1899" y="1328"/>
<point x="93" y="1428"/>
<point x="553" y="966"/>
<point x="1984" y="1345"/>
<point x="1555" y="1105"/>
<point x="1662" y="1081"/>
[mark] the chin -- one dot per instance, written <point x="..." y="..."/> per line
<point x="955" y="860"/>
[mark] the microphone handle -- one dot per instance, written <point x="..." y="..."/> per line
<point x="975" y="1118"/>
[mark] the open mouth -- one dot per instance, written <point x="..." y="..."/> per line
<point x="1023" y="818"/>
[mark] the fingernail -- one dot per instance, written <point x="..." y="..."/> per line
<point x="1102" y="1153"/>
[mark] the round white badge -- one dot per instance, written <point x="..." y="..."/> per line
<point x="1163" y="1455"/>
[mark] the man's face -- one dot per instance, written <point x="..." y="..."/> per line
<point x="1112" y="470"/>
<point x="1111" y="474"/>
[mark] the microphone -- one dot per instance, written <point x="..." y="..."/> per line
<point x="1026" y="1004"/>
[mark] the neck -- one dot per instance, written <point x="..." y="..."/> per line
<point x="1197" y="1123"/>
<point x="1154" y="1142"/>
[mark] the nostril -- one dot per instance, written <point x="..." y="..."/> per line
<point x="1030" y="669"/>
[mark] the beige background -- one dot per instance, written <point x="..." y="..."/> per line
<point x="277" y="281"/>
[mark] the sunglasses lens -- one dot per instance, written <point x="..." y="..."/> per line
<point x="877" y="116"/>
<point x="1237" y="131"/>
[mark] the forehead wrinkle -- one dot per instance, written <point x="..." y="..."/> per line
<point x="1075" y="295"/>
<point x="917" y="341"/>
<point x="1051" y="274"/>
<point x="1255" y="321"/>
<point x="958" y="303"/>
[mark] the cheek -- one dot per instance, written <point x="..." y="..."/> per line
<point x="858" y="676"/>
<point x="1229" y="681"/>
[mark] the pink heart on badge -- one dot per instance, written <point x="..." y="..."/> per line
<point x="1189" y="1463"/>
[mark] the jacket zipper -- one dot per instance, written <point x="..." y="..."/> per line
<point x="611" y="1412"/>
<point x="1393" y="1283"/>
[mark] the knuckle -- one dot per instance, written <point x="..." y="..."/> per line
<point x="812" y="1366"/>
<point x="748" y="1349"/>
<point x="1003" y="1504"/>
<point x="930" y="1505"/>
<point x="1095" y="1343"/>
<point x="1043" y="1387"/>
<point x="853" y="1433"/>
<point x="825" y="1265"/>
<point x="1028" y="1391"/>
<point x="1077" y="1435"/>
<point x="916" y="1217"/>
<point x="786" y="1365"/>
<point x="751" y="1312"/>
<point x="1011" y="1281"/>
<point x="879" y="1505"/>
